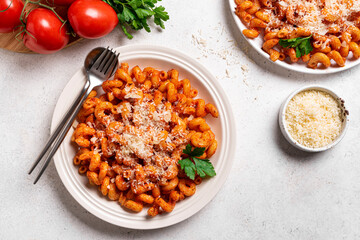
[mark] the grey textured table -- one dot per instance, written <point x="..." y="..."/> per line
<point x="273" y="192"/>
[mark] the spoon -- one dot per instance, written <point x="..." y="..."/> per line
<point x="92" y="56"/>
<point x="108" y="65"/>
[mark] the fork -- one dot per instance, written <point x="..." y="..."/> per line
<point x="101" y="70"/>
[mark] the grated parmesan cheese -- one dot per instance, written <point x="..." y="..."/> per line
<point x="313" y="118"/>
<point x="311" y="14"/>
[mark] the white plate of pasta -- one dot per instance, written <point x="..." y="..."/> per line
<point x="134" y="163"/>
<point x="333" y="48"/>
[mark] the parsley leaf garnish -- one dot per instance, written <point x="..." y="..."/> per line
<point x="193" y="164"/>
<point x="302" y="45"/>
<point x="135" y="13"/>
<point x="204" y="167"/>
<point x="189" y="167"/>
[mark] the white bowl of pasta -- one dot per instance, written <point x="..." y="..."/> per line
<point x="222" y="127"/>
<point x="332" y="56"/>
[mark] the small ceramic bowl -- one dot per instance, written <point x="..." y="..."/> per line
<point x="286" y="133"/>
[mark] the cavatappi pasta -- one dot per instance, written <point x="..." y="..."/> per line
<point x="131" y="138"/>
<point x="332" y="24"/>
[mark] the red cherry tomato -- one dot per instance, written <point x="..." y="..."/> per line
<point x="92" y="18"/>
<point x="63" y="2"/>
<point x="10" y="18"/>
<point x="47" y="33"/>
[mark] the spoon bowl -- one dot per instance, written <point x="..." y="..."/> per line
<point x="92" y="56"/>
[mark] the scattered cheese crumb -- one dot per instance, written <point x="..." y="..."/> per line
<point x="244" y="68"/>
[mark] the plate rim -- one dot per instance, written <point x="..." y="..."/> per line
<point x="299" y="69"/>
<point x="230" y="123"/>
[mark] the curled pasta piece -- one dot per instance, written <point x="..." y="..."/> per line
<point x="153" y="210"/>
<point x="155" y="79"/>
<point x="243" y="15"/>
<point x="210" y="108"/>
<point x="139" y="189"/>
<point x="166" y="206"/>
<point x="187" y="187"/>
<point x="156" y="191"/>
<point x="139" y="75"/>
<point x="163" y="75"/>
<point x="113" y="193"/>
<point x="336" y="56"/>
<point x="91" y="100"/>
<point x="245" y="5"/>
<point x="319" y="58"/>
<point x="355" y="33"/>
<point x="105" y="185"/>
<point x="163" y="86"/>
<point x="82" y="151"/>
<point x="262" y="16"/>
<point x="171" y="92"/>
<point x="93" y="178"/>
<point x="101" y="111"/>
<point x="133" y="206"/>
<point x="204" y="139"/>
<point x="305" y="58"/>
<point x="123" y="75"/>
<point x="282" y="33"/>
<point x="84" y="113"/>
<point x="174" y="196"/>
<point x="345" y="37"/>
<point x="355" y="49"/>
<point x="82" y="135"/>
<point x="95" y="162"/>
<point x="257" y="23"/>
<point x="300" y="32"/>
<point x="145" y="198"/>
<point x="274" y="55"/>
<point x="172" y="184"/>
<point x="200" y="108"/>
<point x="83" y="169"/>
<point x="109" y="85"/>
<point x="335" y="43"/>
<point x="269" y="44"/>
<point x="292" y="54"/>
<point x="198" y="124"/>
<point x="282" y="56"/>
<point x="103" y="169"/>
<point x="148" y="71"/>
<point x="251" y="33"/>
<point x="255" y="7"/>
<point x="198" y="180"/>
<point x="171" y="172"/>
<point x="344" y="50"/>
<point x="212" y="149"/>
<point x="121" y="184"/>
<point x="173" y="74"/>
<point x="270" y="35"/>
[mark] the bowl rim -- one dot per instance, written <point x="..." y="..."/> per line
<point x="285" y="131"/>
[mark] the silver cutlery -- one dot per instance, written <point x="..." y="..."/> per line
<point x="100" y="64"/>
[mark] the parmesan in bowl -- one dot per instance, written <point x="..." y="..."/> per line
<point x="313" y="119"/>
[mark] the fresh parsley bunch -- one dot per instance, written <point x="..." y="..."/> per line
<point x="135" y="13"/>
<point x="302" y="45"/>
<point x="193" y="164"/>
